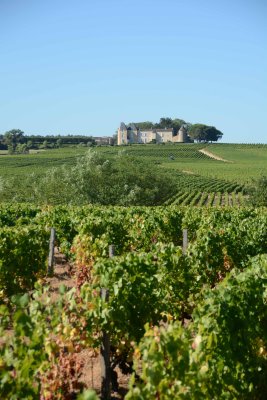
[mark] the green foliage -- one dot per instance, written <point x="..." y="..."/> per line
<point x="144" y="125"/>
<point x="190" y="169"/>
<point x="122" y="180"/>
<point x="222" y="353"/>
<point x="201" y="132"/>
<point x="12" y="139"/>
<point x="143" y="288"/>
<point x="22" y="148"/>
<point x="162" y="124"/>
<point x="95" y="179"/>
<point x="258" y="193"/>
<point x="23" y="255"/>
<point x="37" y="357"/>
<point x="37" y="141"/>
<point x="17" y="214"/>
<point x="134" y="229"/>
<point x="87" y="395"/>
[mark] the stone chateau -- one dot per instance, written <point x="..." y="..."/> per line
<point x="130" y="134"/>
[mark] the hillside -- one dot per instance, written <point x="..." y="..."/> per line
<point x="200" y="178"/>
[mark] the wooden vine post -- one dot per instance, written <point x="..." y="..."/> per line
<point x="50" y="268"/>
<point x="105" y="348"/>
<point x="104" y="357"/>
<point x="111" y="250"/>
<point x="185" y="240"/>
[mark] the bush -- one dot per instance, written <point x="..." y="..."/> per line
<point x="258" y="193"/>
<point x="120" y="180"/>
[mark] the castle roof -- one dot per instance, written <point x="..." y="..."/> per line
<point x="123" y="126"/>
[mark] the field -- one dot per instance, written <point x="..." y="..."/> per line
<point x="201" y="180"/>
<point x="39" y="162"/>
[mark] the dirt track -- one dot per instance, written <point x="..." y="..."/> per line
<point x="214" y="156"/>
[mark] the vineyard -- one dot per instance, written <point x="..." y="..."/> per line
<point x="207" y="199"/>
<point x="171" y="152"/>
<point x="203" y="191"/>
<point x="183" y="320"/>
<point x="40" y="161"/>
<point x="198" y="179"/>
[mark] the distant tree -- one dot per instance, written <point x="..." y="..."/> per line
<point x="12" y="139"/>
<point x="144" y="125"/>
<point x="29" y="144"/>
<point x="165" y="123"/>
<point x="176" y="124"/>
<point x="162" y="124"/>
<point x="91" y="140"/>
<point x="59" y="143"/>
<point x="213" y="134"/>
<point x="10" y="149"/>
<point x="45" y="144"/>
<point x="22" y="148"/>
<point x="196" y="132"/>
<point x="204" y="133"/>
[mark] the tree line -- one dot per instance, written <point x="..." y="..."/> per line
<point x="198" y="132"/>
<point x="17" y="143"/>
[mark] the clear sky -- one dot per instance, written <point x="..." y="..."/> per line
<point x="83" y="66"/>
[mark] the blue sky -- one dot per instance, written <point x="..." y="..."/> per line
<point x="83" y="66"/>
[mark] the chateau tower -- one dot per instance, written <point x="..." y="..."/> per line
<point x="122" y="134"/>
<point x="182" y="135"/>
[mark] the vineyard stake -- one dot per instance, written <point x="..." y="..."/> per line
<point x="185" y="240"/>
<point x="104" y="357"/>
<point x="111" y="250"/>
<point x="51" y="252"/>
<point x="105" y="346"/>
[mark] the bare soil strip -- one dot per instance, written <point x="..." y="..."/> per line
<point x="213" y="156"/>
<point x="188" y="172"/>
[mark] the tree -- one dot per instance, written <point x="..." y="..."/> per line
<point x="29" y="144"/>
<point x="59" y="142"/>
<point x="204" y="133"/>
<point x="94" y="179"/>
<point x="22" y="148"/>
<point x="213" y="134"/>
<point x="12" y="139"/>
<point x="45" y="144"/>
<point x="169" y="123"/>
<point x="144" y="125"/>
<point x="165" y="123"/>
<point x="176" y="124"/>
